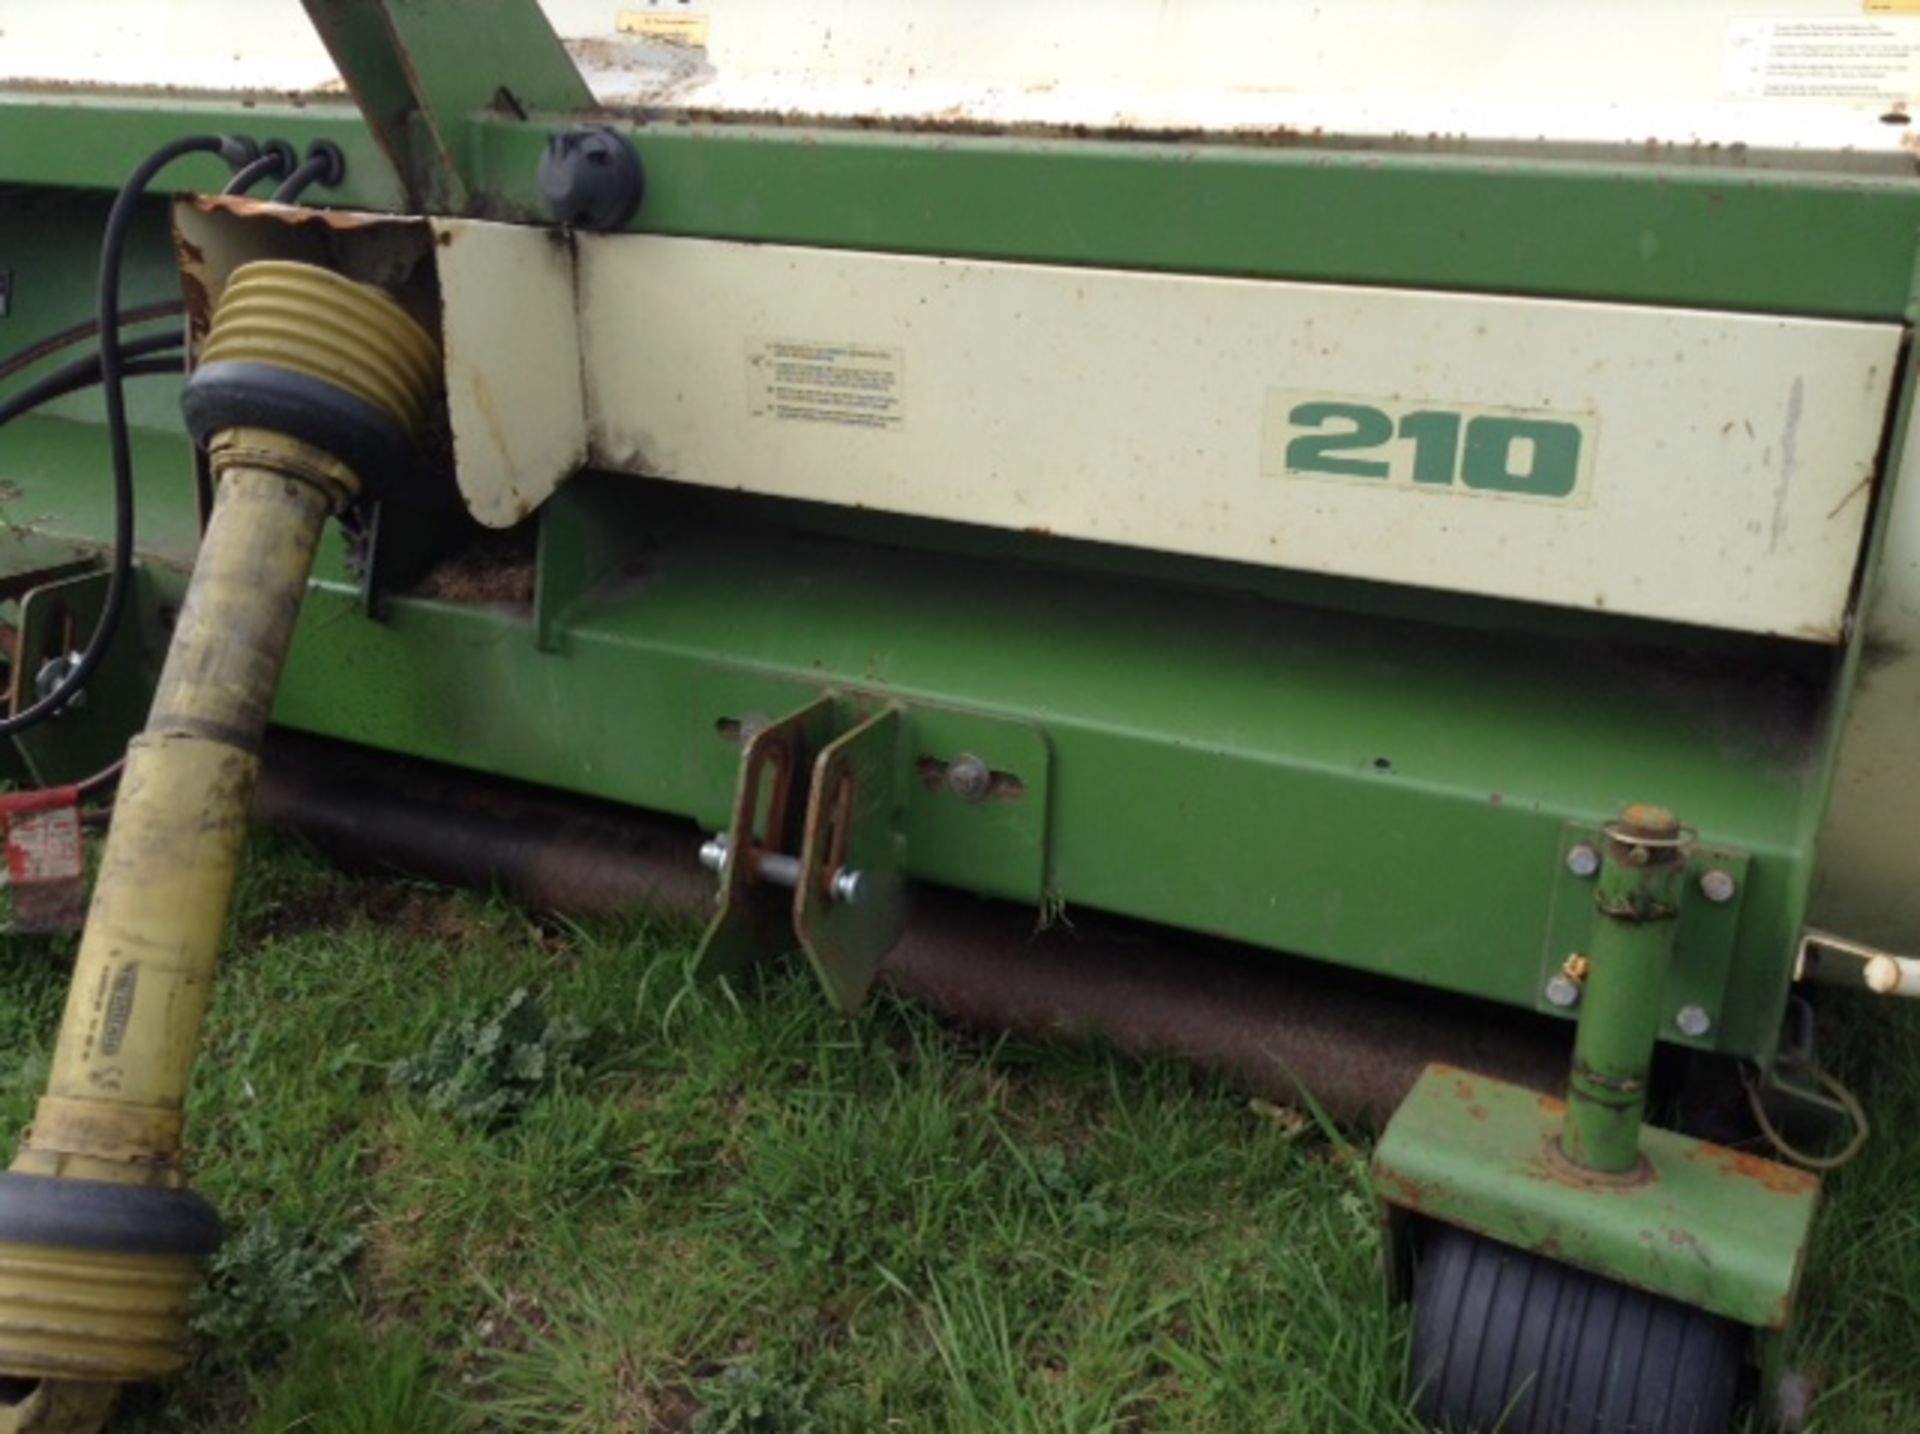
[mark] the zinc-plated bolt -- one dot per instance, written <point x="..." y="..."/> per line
<point x="1718" y="886"/>
<point x="1563" y="991"/>
<point x="1583" y="861"/>
<point x="52" y="673"/>
<point x="713" y="852"/>
<point x="848" y="886"/>
<point x="1693" y="1021"/>
<point x="969" y="778"/>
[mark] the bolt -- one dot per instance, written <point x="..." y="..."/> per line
<point x="1648" y="823"/>
<point x="713" y="852"/>
<point x="1693" y="1021"/>
<point x="1583" y="861"/>
<point x="52" y="673"/>
<point x="969" y="778"/>
<point x="1563" y="991"/>
<point x="1718" y="886"/>
<point x="848" y="886"/>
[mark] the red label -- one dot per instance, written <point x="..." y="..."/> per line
<point x="46" y="859"/>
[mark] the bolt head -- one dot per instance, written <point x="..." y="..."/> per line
<point x="969" y="778"/>
<point x="1563" y="991"/>
<point x="1693" y="1021"/>
<point x="1718" y="886"/>
<point x="1583" y="861"/>
<point x="848" y="887"/>
<point x="713" y="852"/>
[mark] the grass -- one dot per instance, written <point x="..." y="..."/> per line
<point x="622" y="1201"/>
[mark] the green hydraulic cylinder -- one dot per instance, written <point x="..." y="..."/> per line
<point x="1637" y="905"/>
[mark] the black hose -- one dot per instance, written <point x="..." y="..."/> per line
<point x="79" y="333"/>
<point x="112" y="368"/>
<point x="277" y="161"/>
<point x="324" y="165"/>
<point x="83" y="372"/>
<point x="73" y="378"/>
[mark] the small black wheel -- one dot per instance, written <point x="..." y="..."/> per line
<point x="1510" y="1341"/>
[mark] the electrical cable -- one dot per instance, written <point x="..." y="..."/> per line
<point x="79" y="333"/>
<point x="112" y="368"/>
<point x="1849" y="1103"/>
<point x="84" y="373"/>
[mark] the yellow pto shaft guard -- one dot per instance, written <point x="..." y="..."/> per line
<point x="309" y="383"/>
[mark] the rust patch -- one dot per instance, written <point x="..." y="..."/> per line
<point x="1477" y="1112"/>
<point x="1398" y="1189"/>
<point x="1769" y="1175"/>
<point x="294" y="216"/>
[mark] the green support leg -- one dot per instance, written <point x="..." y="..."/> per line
<point x="1637" y="913"/>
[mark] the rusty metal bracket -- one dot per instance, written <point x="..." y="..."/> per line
<point x="814" y="853"/>
<point x="850" y="903"/>
<point x="756" y="905"/>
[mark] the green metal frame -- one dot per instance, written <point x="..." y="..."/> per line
<point x="1382" y="778"/>
<point x="1247" y="753"/>
<point x="1710" y="1227"/>
<point x="1705" y="235"/>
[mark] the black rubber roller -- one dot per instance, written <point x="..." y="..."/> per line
<point x="1510" y="1341"/>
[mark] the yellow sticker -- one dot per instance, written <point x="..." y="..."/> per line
<point x="675" y="27"/>
<point x="1892" y="7"/>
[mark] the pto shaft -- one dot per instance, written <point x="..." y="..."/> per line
<point x="306" y="380"/>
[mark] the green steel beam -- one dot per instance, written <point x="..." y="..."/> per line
<point x="94" y="142"/>
<point x="419" y="71"/>
<point x="1756" y="240"/>
<point x="1391" y="795"/>
<point x="1706" y="237"/>
<point x="1386" y="795"/>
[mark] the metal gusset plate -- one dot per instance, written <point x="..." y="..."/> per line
<point x="755" y="918"/>
<point x="851" y="900"/>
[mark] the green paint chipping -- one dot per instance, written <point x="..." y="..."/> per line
<point x="1705" y="1225"/>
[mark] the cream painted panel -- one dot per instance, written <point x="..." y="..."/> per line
<point x="1726" y="459"/>
<point x="512" y="355"/>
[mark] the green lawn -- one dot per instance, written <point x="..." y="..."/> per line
<point x="627" y="1203"/>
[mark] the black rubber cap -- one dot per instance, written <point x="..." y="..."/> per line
<point x="99" y="1215"/>
<point x="258" y="395"/>
<point x="591" y="178"/>
<point x="1511" y="1341"/>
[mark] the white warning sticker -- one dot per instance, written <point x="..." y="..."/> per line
<point x="807" y="381"/>
<point x="1859" y="60"/>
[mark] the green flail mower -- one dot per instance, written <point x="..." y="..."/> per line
<point x="1423" y="571"/>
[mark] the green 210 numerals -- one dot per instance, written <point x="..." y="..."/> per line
<point x="1535" y="457"/>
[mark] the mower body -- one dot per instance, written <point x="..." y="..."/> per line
<point x="1285" y="473"/>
